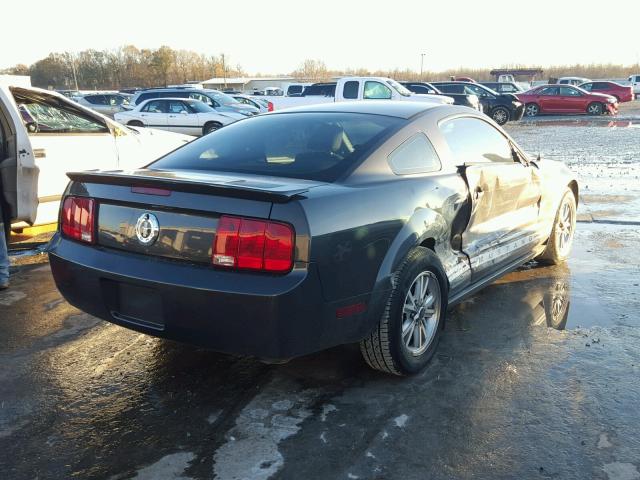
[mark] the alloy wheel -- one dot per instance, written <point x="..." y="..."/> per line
<point x="420" y="313"/>
<point x="565" y="227"/>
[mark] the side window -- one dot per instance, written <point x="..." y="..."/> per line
<point x="96" y="99"/>
<point x="587" y="86"/>
<point x="569" y="92"/>
<point x="601" y="86"/>
<point x="350" y="89"/>
<point x="58" y="120"/>
<point x="548" y="91"/>
<point x="473" y="140"/>
<point x="376" y="91"/>
<point x="415" y="155"/>
<point x="176" y="106"/>
<point x="156" y="106"/>
<point x="480" y="92"/>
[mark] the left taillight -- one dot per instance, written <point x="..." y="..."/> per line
<point x="78" y="219"/>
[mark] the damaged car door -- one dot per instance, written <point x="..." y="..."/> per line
<point x="504" y="190"/>
<point x="18" y="170"/>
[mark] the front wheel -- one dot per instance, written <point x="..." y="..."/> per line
<point x="210" y="127"/>
<point x="531" y="110"/>
<point x="561" y="239"/>
<point x="595" y="108"/>
<point x="408" y="333"/>
<point x="500" y="115"/>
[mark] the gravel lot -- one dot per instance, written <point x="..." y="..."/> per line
<point x="537" y="376"/>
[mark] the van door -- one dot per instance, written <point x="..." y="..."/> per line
<point x="65" y="137"/>
<point x="18" y="171"/>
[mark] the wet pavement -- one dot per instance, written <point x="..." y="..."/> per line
<point x="537" y="376"/>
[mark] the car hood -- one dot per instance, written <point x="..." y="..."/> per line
<point x="426" y="97"/>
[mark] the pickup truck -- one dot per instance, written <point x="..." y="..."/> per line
<point x="357" y="88"/>
<point x="634" y="81"/>
<point x="43" y="135"/>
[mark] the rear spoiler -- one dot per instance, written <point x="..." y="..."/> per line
<point x="282" y="195"/>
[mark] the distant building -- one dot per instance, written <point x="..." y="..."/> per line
<point x="248" y="84"/>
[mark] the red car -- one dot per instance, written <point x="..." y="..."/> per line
<point x="566" y="99"/>
<point x="624" y="93"/>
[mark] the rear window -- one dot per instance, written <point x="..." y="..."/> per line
<point x="312" y="146"/>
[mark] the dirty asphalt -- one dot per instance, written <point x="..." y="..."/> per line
<point x="537" y="376"/>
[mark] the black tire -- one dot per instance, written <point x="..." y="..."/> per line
<point x="210" y="127"/>
<point x="384" y="348"/>
<point x="500" y="115"/>
<point x="531" y="110"/>
<point x="135" y="123"/>
<point x="595" y="108"/>
<point x="558" y="251"/>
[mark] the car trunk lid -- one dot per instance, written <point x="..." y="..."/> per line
<point x="175" y="214"/>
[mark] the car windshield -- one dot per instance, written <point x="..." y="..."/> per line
<point x="312" y="146"/>
<point x="402" y="90"/>
<point x="201" y="107"/>
<point x="223" y="98"/>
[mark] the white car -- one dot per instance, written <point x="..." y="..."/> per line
<point x="45" y="135"/>
<point x="180" y="115"/>
<point x="260" y="103"/>
<point x="572" y="81"/>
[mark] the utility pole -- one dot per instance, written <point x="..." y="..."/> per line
<point x="421" y="64"/>
<point x="73" y="69"/>
<point x="224" y="70"/>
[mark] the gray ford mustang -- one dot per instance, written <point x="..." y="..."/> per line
<point x="292" y="232"/>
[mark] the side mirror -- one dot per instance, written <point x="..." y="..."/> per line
<point x="32" y="127"/>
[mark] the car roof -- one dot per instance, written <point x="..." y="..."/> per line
<point x="373" y="107"/>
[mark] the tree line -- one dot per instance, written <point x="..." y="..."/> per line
<point x="129" y="66"/>
<point x="125" y="67"/>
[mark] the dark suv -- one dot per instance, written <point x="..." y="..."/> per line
<point x="501" y="107"/>
<point x="464" y="99"/>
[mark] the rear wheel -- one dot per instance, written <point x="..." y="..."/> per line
<point x="500" y="115"/>
<point x="531" y="109"/>
<point x="135" y="123"/>
<point x="210" y="127"/>
<point x="408" y="333"/>
<point x="561" y="238"/>
<point x="595" y="108"/>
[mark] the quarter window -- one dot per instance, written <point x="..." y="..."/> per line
<point x="350" y="89"/>
<point x="473" y="140"/>
<point x="416" y="155"/>
<point x="376" y="91"/>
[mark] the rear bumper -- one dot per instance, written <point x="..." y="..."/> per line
<point x="241" y="313"/>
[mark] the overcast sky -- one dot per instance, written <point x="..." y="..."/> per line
<point x="275" y="36"/>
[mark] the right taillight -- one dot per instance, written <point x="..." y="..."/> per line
<point x="269" y="106"/>
<point x="78" y="219"/>
<point x="250" y="244"/>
